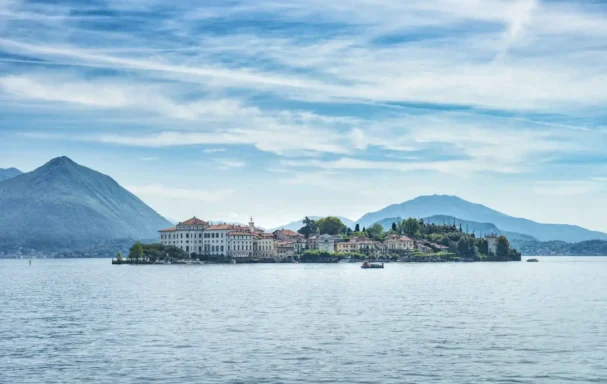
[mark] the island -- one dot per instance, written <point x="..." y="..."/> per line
<point x="326" y="240"/>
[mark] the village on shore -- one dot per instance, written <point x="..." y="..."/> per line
<point x="324" y="240"/>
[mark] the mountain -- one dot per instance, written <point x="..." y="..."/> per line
<point x="9" y="173"/>
<point x="297" y="224"/>
<point x="471" y="226"/>
<point x="64" y="206"/>
<point x="427" y="206"/>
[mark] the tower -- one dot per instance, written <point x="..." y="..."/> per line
<point x="251" y="225"/>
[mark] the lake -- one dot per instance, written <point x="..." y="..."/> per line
<point x="77" y="321"/>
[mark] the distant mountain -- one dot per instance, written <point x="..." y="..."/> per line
<point x="471" y="226"/>
<point x="65" y="206"/>
<point x="427" y="206"/>
<point x="297" y="224"/>
<point x="9" y="173"/>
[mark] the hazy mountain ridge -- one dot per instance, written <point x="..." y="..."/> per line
<point x="297" y="224"/>
<point x="9" y="173"/>
<point x="441" y="205"/>
<point x="480" y="229"/>
<point x="65" y="206"/>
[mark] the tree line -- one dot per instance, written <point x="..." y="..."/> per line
<point x="463" y="244"/>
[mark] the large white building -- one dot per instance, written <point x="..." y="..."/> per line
<point x="228" y="240"/>
<point x="187" y="235"/>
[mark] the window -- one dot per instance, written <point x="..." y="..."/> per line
<point x="187" y="235"/>
<point x="222" y="248"/>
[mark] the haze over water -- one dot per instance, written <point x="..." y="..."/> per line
<point x="73" y="321"/>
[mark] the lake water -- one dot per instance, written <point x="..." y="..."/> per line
<point x="77" y="321"/>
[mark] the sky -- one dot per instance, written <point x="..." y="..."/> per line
<point x="277" y="110"/>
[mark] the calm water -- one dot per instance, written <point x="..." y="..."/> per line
<point x="75" y="321"/>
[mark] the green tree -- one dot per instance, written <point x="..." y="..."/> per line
<point x="394" y="227"/>
<point x="331" y="225"/>
<point x="503" y="248"/>
<point x="412" y="227"/>
<point x="400" y="227"/>
<point x="309" y="227"/>
<point x="136" y="251"/>
<point x="357" y="228"/>
<point x="376" y="231"/>
<point x="119" y="257"/>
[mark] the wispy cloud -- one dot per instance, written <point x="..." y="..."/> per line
<point x="317" y="93"/>
<point x="151" y="158"/>
<point x="229" y="163"/>
<point x="180" y="193"/>
<point x="213" y="150"/>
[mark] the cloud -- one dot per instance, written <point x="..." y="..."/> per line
<point x="180" y="193"/>
<point x="229" y="163"/>
<point x="148" y="158"/>
<point x="213" y="150"/>
<point x="567" y="188"/>
<point x="118" y="95"/>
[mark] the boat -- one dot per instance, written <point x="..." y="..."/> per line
<point x="532" y="260"/>
<point x="367" y="265"/>
<point x="232" y="261"/>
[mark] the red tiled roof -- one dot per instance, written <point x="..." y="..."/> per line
<point x="263" y="234"/>
<point x="232" y="227"/>
<point x="194" y="221"/>
<point x="236" y="233"/>
<point x="173" y="229"/>
<point x="288" y="232"/>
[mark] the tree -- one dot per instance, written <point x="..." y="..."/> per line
<point x="412" y="227"/>
<point x="503" y="248"/>
<point x="348" y="232"/>
<point x="376" y="231"/>
<point x="309" y="227"/>
<point x="357" y="228"/>
<point x="400" y="227"/>
<point x="394" y="227"/>
<point x="136" y="251"/>
<point x="119" y="257"/>
<point x="331" y="225"/>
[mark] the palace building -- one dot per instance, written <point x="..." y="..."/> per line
<point x="195" y="236"/>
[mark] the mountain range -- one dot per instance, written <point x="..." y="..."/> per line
<point x="480" y="229"/>
<point x="453" y="206"/>
<point x="439" y="208"/>
<point x="9" y="173"/>
<point x="63" y="205"/>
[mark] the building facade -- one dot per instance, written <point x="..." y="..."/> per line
<point x="187" y="235"/>
<point x="195" y="236"/>
<point x="492" y="244"/>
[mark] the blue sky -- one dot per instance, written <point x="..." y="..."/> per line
<point x="226" y="109"/>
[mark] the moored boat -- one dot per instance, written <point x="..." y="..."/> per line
<point x="367" y="265"/>
<point x="532" y="260"/>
